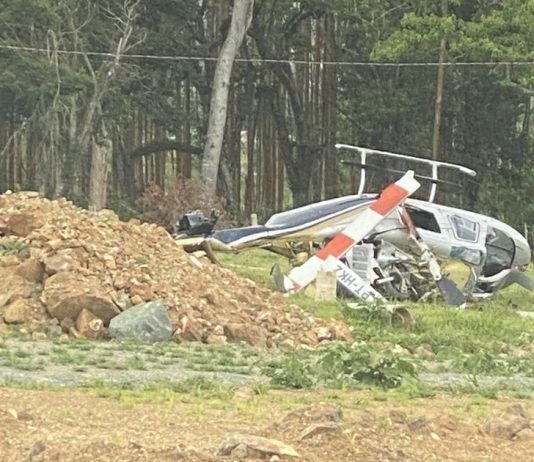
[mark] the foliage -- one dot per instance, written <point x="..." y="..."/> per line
<point x="341" y="365"/>
<point x="291" y="114"/>
<point x="12" y="246"/>
<point x="186" y="195"/>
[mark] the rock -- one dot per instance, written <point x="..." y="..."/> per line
<point x="143" y="291"/>
<point x="9" y="260"/>
<point x="17" y="312"/>
<point x="213" y="298"/>
<point x="446" y="422"/>
<point x="66" y="294"/>
<point x="213" y="339"/>
<point x="37" y="448"/>
<point x="120" y="282"/>
<point x="400" y="350"/>
<point x="54" y="331"/>
<point x="418" y="425"/>
<point x="505" y="428"/>
<point x="137" y="300"/>
<point x="66" y="324"/>
<point x="4" y="329"/>
<point x="22" y="224"/>
<point x="122" y="301"/>
<point x="148" y="321"/>
<point x="60" y="262"/>
<point x="324" y="333"/>
<point x="88" y="325"/>
<point x="250" y="334"/>
<point x="424" y="350"/>
<point x="17" y="286"/>
<point x="320" y="429"/>
<point x="190" y="330"/>
<point x="267" y="447"/>
<point x="4" y="299"/>
<point x="74" y="333"/>
<point x="240" y="452"/>
<point x="525" y="434"/>
<point x="318" y="414"/>
<point x="517" y="410"/>
<point x="397" y="416"/>
<point x="38" y="336"/>
<point x="31" y="270"/>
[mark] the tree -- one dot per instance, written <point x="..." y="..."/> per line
<point x="241" y="17"/>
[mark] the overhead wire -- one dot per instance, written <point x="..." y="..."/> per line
<point x="267" y="60"/>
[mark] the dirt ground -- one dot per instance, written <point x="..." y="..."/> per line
<point x="79" y="425"/>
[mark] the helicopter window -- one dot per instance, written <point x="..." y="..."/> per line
<point x="465" y="229"/>
<point x="500" y="250"/>
<point x="423" y="219"/>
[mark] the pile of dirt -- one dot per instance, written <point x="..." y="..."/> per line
<point x="62" y="266"/>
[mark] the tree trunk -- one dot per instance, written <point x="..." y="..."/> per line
<point x="241" y="17"/>
<point x="439" y="89"/>
<point x="99" y="175"/>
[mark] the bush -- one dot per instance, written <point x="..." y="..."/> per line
<point x="340" y="365"/>
<point x="167" y="207"/>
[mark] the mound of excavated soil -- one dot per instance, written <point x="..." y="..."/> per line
<point x="64" y="269"/>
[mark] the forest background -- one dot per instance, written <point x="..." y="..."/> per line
<point x="107" y="102"/>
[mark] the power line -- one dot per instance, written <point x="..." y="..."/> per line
<point x="270" y="61"/>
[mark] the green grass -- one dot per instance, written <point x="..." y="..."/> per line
<point x="196" y="388"/>
<point x="488" y="338"/>
<point x="9" y="246"/>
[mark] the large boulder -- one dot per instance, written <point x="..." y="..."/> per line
<point x="147" y="321"/>
<point x="66" y="294"/>
<point x="17" y="312"/>
<point x="23" y="223"/>
<point x="13" y="286"/>
<point x="31" y="269"/>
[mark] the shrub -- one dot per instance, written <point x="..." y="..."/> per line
<point x="167" y="207"/>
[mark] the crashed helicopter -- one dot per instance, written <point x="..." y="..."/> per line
<point x="385" y="246"/>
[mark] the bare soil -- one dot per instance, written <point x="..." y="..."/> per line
<point x="79" y="425"/>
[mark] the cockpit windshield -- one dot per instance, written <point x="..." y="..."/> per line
<point x="500" y="250"/>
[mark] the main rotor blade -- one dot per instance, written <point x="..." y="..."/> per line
<point x="450" y="292"/>
<point x="520" y="278"/>
<point x="392" y="170"/>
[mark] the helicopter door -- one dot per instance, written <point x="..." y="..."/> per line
<point x="500" y="251"/>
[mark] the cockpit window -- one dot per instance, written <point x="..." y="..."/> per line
<point x="423" y="219"/>
<point x="500" y="251"/>
<point x="465" y="229"/>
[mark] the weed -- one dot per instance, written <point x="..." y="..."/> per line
<point x="141" y="260"/>
<point x="12" y="247"/>
<point x="340" y="365"/>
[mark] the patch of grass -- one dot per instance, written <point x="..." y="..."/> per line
<point x="255" y="264"/>
<point x="135" y="362"/>
<point x="141" y="260"/>
<point x="9" y="246"/>
<point x="197" y="388"/>
<point x="340" y="365"/>
<point x="482" y="339"/>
